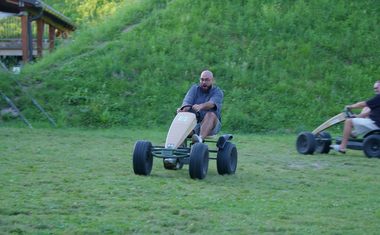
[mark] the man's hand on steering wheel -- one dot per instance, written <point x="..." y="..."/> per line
<point x="188" y="107"/>
<point x="348" y="112"/>
<point x="197" y="107"/>
<point x="184" y="108"/>
<point x="348" y="107"/>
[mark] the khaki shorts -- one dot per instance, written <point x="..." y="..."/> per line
<point x="363" y="125"/>
<point x="214" y="131"/>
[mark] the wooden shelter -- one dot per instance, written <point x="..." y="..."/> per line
<point x="34" y="10"/>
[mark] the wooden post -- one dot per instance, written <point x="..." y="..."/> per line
<point x="51" y="37"/>
<point x="24" y="37"/>
<point x="40" y="34"/>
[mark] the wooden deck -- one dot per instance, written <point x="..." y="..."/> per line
<point x="36" y="31"/>
<point x="15" y="48"/>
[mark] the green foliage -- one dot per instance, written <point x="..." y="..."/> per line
<point x="87" y="11"/>
<point x="281" y="64"/>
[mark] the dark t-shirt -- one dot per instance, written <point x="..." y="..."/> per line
<point x="196" y="96"/>
<point x="374" y="105"/>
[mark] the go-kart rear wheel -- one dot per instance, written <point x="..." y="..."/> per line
<point x="178" y="166"/>
<point x="371" y="146"/>
<point x="226" y="160"/>
<point x="142" y="157"/>
<point x="306" y="143"/>
<point x="199" y="157"/>
<point x="323" y="146"/>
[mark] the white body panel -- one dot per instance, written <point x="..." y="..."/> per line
<point x="180" y="128"/>
<point x="331" y="122"/>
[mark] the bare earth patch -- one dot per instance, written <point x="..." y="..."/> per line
<point x="129" y="28"/>
<point x="316" y="165"/>
<point x="7" y="110"/>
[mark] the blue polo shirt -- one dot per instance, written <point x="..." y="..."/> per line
<point x="195" y="95"/>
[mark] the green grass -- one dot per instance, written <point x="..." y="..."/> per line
<point x="77" y="181"/>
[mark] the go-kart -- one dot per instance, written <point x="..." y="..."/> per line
<point x="319" y="140"/>
<point x="196" y="155"/>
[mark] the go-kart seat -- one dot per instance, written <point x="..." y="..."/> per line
<point x="211" y="136"/>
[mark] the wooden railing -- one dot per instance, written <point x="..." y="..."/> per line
<point x="11" y="29"/>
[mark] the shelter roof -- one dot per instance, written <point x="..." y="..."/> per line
<point x="50" y="15"/>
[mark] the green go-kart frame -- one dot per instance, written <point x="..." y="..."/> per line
<point x="319" y="141"/>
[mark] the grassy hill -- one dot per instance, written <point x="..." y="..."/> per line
<point x="283" y="65"/>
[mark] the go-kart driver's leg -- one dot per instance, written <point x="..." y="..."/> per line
<point x="348" y="125"/>
<point x="209" y="122"/>
<point x="363" y="114"/>
<point x="362" y="125"/>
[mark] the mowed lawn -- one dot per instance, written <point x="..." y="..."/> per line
<point x="74" y="181"/>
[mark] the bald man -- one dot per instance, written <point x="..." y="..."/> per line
<point x="206" y="99"/>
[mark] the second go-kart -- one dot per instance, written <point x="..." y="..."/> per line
<point x="196" y="155"/>
<point x="319" y="141"/>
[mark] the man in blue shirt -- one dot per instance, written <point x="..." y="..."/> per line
<point x="206" y="99"/>
<point x="360" y="123"/>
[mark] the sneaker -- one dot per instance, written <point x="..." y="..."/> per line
<point x="171" y="162"/>
<point x="195" y="138"/>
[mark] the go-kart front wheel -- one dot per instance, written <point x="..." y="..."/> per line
<point x="199" y="157"/>
<point x="323" y="146"/>
<point x="142" y="157"/>
<point x="226" y="160"/>
<point x="371" y="146"/>
<point x="306" y="143"/>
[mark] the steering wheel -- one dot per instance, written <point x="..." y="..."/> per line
<point x="349" y="113"/>
<point x="197" y="113"/>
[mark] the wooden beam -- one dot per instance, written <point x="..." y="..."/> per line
<point x="40" y="34"/>
<point x="24" y="38"/>
<point x="51" y="37"/>
<point x="47" y="20"/>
